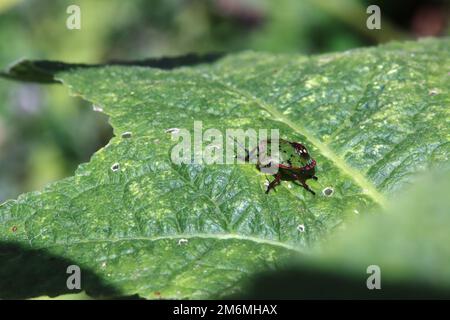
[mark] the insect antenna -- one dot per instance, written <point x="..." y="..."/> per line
<point x="247" y="153"/>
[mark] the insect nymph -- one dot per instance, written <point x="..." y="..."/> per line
<point x="294" y="163"/>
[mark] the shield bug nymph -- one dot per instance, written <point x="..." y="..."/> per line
<point x="294" y="163"/>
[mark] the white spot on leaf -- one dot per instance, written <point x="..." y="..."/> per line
<point x="126" y="135"/>
<point x="97" y="108"/>
<point x="433" y="92"/>
<point x="172" y="130"/>
<point x="328" y="192"/>
<point x="115" y="167"/>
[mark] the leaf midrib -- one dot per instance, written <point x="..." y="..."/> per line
<point x="215" y="236"/>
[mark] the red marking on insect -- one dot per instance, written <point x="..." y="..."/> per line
<point x="14" y="229"/>
<point x="310" y="166"/>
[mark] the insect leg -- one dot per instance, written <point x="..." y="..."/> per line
<point x="307" y="187"/>
<point x="275" y="182"/>
<point x="303" y="183"/>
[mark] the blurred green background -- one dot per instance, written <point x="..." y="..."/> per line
<point x="45" y="134"/>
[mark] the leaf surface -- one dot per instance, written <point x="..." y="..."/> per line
<point x="404" y="247"/>
<point x="372" y="118"/>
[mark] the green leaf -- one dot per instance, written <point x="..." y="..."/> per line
<point x="372" y="118"/>
<point x="415" y="237"/>
<point x="408" y="242"/>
